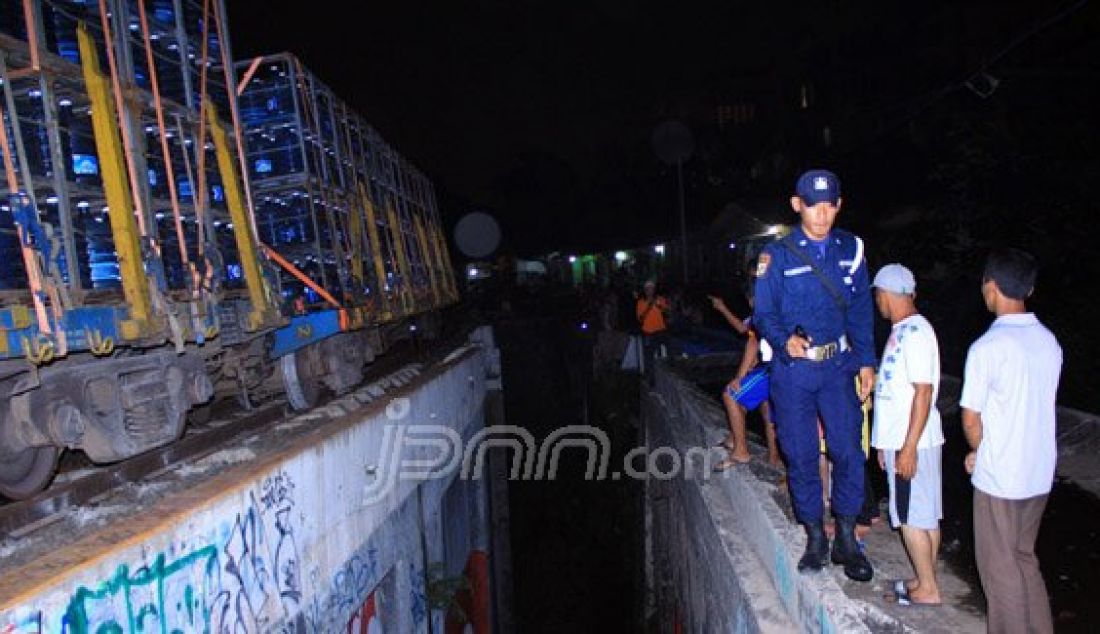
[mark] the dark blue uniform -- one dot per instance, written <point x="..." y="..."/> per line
<point x="788" y="295"/>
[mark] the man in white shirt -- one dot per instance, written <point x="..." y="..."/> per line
<point x="1008" y="402"/>
<point x="908" y="432"/>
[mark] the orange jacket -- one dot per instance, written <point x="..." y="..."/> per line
<point x="652" y="319"/>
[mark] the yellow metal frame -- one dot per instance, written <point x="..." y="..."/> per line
<point x="445" y="260"/>
<point x="124" y="230"/>
<point x="376" y="252"/>
<point x="263" y="313"/>
<point x="426" y="256"/>
<point x="408" y="301"/>
<point x="355" y="233"/>
<point x="437" y="258"/>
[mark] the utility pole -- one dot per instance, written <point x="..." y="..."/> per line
<point x="673" y="144"/>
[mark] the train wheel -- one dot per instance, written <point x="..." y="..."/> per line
<point x="200" y="414"/>
<point x="25" y="473"/>
<point x="302" y="391"/>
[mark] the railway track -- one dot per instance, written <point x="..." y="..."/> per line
<point x="21" y="518"/>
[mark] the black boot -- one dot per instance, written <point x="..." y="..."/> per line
<point x="846" y="550"/>
<point x="817" y="548"/>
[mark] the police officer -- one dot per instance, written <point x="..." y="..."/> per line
<point x="814" y="306"/>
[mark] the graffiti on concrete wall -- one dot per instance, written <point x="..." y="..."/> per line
<point x="783" y="581"/>
<point x="243" y="593"/>
<point x="366" y="619"/>
<point x="29" y="624"/>
<point x="239" y="583"/>
<point x="353" y="581"/>
<point x="162" y="596"/>
<point x="277" y="498"/>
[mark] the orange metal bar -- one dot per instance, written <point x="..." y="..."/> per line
<point x="121" y="106"/>
<point x="32" y="33"/>
<point x="248" y="74"/>
<point x="162" y="129"/>
<point x="305" y="279"/>
<point x="302" y="277"/>
<point x="9" y="164"/>
<point x="198" y="216"/>
<point x="34" y="280"/>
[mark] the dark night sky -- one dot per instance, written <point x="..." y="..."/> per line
<point x="542" y="111"/>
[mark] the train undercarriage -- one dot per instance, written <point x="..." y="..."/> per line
<point x="115" y="409"/>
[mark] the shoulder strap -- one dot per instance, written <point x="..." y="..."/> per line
<point x="834" y="292"/>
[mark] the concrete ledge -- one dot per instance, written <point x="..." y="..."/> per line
<point x="708" y="575"/>
<point x="297" y="529"/>
<point x="748" y="504"/>
<point x="1078" y="439"/>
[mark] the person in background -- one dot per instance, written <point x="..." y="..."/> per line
<point x="813" y="305"/>
<point x="652" y="310"/>
<point x="748" y="389"/>
<point x="1008" y="416"/>
<point x="908" y="433"/>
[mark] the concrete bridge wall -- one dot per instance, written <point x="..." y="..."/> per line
<point x="307" y="530"/>
<point x="721" y="553"/>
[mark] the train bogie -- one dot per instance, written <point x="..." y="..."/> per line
<point x="109" y="409"/>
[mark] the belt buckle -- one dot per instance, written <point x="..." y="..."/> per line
<point x="823" y="352"/>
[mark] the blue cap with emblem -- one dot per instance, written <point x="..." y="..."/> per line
<point x="816" y="186"/>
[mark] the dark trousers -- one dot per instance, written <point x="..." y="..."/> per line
<point x="870" y="508"/>
<point x="652" y="345"/>
<point x="1004" y="545"/>
<point x="800" y="392"/>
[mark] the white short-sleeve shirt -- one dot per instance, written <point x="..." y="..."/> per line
<point x="1011" y="379"/>
<point x="912" y="355"/>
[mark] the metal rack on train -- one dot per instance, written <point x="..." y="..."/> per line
<point x="136" y="279"/>
<point x="351" y="218"/>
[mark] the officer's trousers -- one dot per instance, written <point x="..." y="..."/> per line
<point x="800" y="391"/>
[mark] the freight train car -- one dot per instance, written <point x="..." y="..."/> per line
<point x="153" y="255"/>
<point x="351" y="223"/>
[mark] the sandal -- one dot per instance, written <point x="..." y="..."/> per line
<point x="726" y="464"/>
<point x="899" y="595"/>
<point x="730" y="462"/>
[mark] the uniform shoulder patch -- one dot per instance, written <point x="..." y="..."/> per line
<point x="762" y="264"/>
